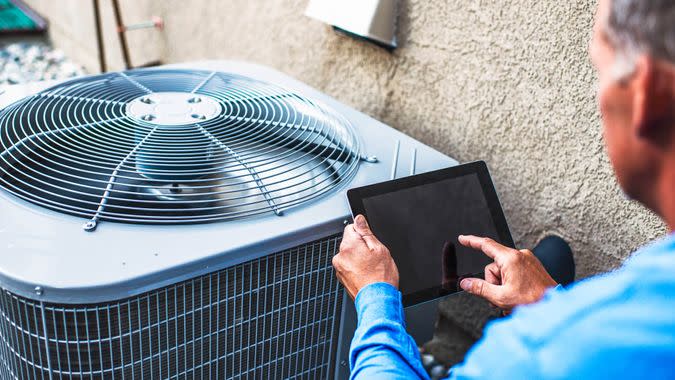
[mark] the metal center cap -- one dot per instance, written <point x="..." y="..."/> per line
<point x="173" y="108"/>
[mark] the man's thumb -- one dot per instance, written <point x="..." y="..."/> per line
<point x="362" y="226"/>
<point x="480" y="288"/>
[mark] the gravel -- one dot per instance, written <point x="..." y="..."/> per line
<point x="27" y="62"/>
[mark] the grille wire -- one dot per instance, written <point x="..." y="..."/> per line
<point x="76" y="148"/>
<point x="274" y="317"/>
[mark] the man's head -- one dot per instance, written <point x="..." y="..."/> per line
<point x="633" y="49"/>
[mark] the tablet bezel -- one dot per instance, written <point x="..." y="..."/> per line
<point x="355" y="198"/>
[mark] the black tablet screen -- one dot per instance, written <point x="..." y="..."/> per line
<point x="420" y="226"/>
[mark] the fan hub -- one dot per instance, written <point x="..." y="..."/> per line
<point x="173" y="108"/>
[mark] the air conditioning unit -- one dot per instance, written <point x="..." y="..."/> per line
<point x="179" y="222"/>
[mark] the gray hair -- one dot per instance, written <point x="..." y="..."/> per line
<point x="641" y="27"/>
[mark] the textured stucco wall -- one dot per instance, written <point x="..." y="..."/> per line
<point x="508" y="82"/>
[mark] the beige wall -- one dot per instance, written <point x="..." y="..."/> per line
<point x="508" y="82"/>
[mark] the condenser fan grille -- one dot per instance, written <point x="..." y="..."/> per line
<point x="172" y="146"/>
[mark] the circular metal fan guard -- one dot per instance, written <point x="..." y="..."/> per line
<point x="172" y="146"/>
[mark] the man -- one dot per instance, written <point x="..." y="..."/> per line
<point x="619" y="325"/>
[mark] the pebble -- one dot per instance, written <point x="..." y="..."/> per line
<point x="428" y="360"/>
<point x="438" y="371"/>
<point x="23" y="62"/>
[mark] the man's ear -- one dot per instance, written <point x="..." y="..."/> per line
<point x="653" y="97"/>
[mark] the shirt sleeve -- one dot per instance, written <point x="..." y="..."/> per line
<point x="381" y="348"/>
<point x="507" y="350"/>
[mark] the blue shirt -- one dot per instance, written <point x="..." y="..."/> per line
<point x="616" y="325"/>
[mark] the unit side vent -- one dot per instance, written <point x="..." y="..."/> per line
<point x="273" y="317"/>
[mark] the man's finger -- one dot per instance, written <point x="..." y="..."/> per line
<point x="482" y="289"/>
<point x="363" y="229"/>
<point x="488" y="246"/>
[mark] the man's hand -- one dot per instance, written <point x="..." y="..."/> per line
<point x="516" y="277"/>
<point x="362" y="259"/>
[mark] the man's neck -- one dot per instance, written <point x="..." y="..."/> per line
<point x="666" y="193"/>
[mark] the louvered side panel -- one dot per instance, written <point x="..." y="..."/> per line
<point x="273" y="317"/>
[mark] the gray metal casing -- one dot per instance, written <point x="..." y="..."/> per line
<point x="50" y="250"/>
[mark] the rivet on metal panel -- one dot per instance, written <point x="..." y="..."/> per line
<point x="369" y="159"/>
<point x="343" y="363"/>
<point x="90" y="226"/>
<point x="38" y="290"/>
<point x="345" y="222"/>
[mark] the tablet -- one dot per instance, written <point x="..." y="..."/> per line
<point x="419" y="219"/>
